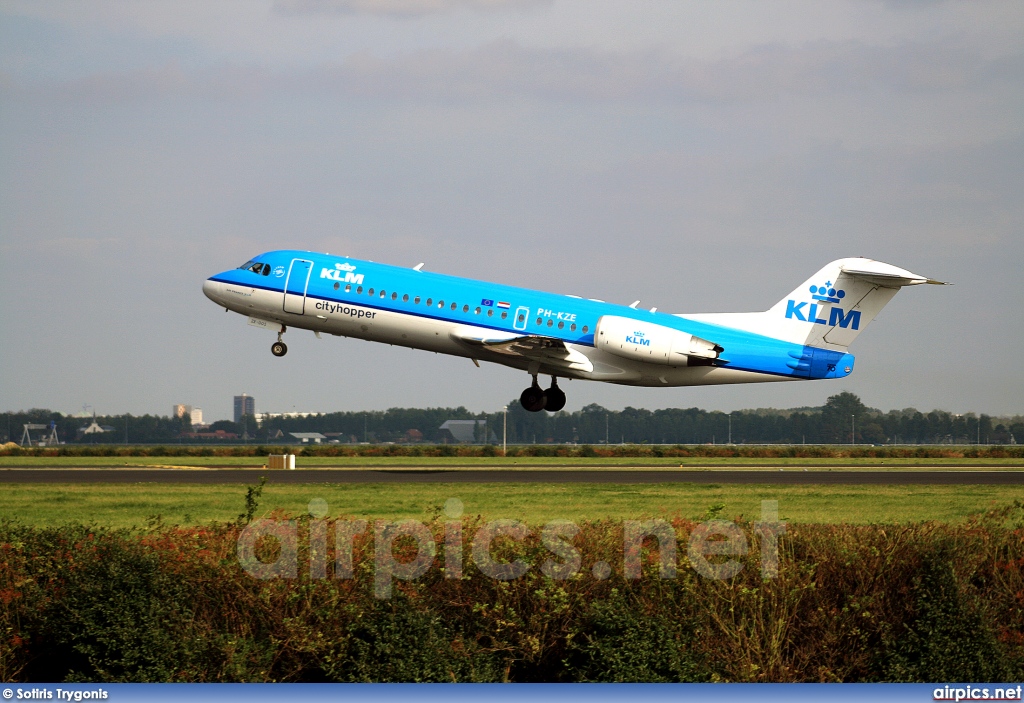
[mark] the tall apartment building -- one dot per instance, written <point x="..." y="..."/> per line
<point x="196" y="414"/>
<point x="244" y="405"/>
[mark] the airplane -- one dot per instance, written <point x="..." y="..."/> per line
<point x="805" y="336"/>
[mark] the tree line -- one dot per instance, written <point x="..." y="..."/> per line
<point x="843" y="419"/>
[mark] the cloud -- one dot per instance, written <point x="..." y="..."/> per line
<point x="408" y="8"/>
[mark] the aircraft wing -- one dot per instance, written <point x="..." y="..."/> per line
<point x="533" y="347"/>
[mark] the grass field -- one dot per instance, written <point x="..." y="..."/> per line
<point x="66" y="462"/>
<point x="121" y="505"/>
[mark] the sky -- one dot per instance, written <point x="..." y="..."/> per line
<point x="699" y="156"/>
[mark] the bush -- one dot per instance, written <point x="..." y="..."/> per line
<point x="394" y="642"/>
<point x="626" y="644"/>
<point x="947" y="637"/>
<point x="919" y="602"/>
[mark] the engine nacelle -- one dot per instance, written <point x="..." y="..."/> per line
<point x="656" y="344"/>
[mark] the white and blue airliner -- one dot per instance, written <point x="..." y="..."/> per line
<point x="806" y="335"/>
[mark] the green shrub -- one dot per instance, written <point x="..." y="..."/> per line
<point x="948" y="638"/>
<point x="849" y="603"/>
<point x="625" y="644"/>
<point x="394" y="642"/>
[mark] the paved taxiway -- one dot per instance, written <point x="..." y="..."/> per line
<point x="788" y="476"/>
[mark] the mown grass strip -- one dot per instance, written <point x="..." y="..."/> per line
<point x="86" y="462"/>
<point x="132" y="505"/>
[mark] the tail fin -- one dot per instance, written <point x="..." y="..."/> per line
<point x="836" y="304"/>
<point x="830" y="308"/>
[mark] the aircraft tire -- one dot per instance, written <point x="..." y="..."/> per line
<point x="533" y="399"/>
<point x="556" y="399"/>
<point x="279" y="349"/>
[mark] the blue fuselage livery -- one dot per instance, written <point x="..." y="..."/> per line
<point x="804" y="336"/>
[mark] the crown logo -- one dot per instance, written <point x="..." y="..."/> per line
<point x="345" y="267"/>
<point x="827" y="294"/>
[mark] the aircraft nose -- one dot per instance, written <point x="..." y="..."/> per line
<point x="211" y="289"/>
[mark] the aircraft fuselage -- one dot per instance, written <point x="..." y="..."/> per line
<point x="539" y="332"/>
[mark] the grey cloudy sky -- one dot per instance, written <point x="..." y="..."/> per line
<point x="699" y="156"/>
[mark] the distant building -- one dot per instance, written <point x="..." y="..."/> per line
<point x="217" y="434"/>
<point x="307" y="437"/>
<point x="244" y="405"/>
<point x="263" y="417"/>
<point x="467" y="430"/>
<point x="94" y="428"/>
<point x="195" y="413"/>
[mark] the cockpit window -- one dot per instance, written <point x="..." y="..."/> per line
<point x="256" y="267"/>
<point x="266" y="269"/>
<point x="247" y="264"/>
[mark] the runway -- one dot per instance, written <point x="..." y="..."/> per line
<point x="788" y="476"/>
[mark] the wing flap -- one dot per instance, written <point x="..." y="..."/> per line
<point x="533" y="347"/>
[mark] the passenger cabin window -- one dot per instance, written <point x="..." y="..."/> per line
<point x="505" y="314"/>
<point x="337" y="286"/>
<point x="348" y="287"/>
<point x="405" y="298"/>
<point x="584" y="329"/>
<point x="359" y="290"/>
<point x="454" y="305"/>
<point x="416" y="300"/>
<point x="429" y="302"/>
<point x="370" y="292"/>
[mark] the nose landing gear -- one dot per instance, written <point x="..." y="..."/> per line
<point x="534" y="399"/>
<point x="279" y="348"/>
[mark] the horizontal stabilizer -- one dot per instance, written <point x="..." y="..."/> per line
<point x="885" y="274"/>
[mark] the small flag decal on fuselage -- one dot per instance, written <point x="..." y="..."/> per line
<point x="503" y="304"/>
<point x="486" y="302"/>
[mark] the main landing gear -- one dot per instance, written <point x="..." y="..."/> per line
<point x="536" y="399"/>
<point x="279" y="348"/>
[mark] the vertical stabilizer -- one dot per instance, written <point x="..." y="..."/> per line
<point x="830" y="308"/>
<point x="836" y="304"/>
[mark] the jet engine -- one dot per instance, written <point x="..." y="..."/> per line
<point x="656" y="344"/>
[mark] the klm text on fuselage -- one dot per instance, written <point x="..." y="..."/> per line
<point x="795" y="311"/>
